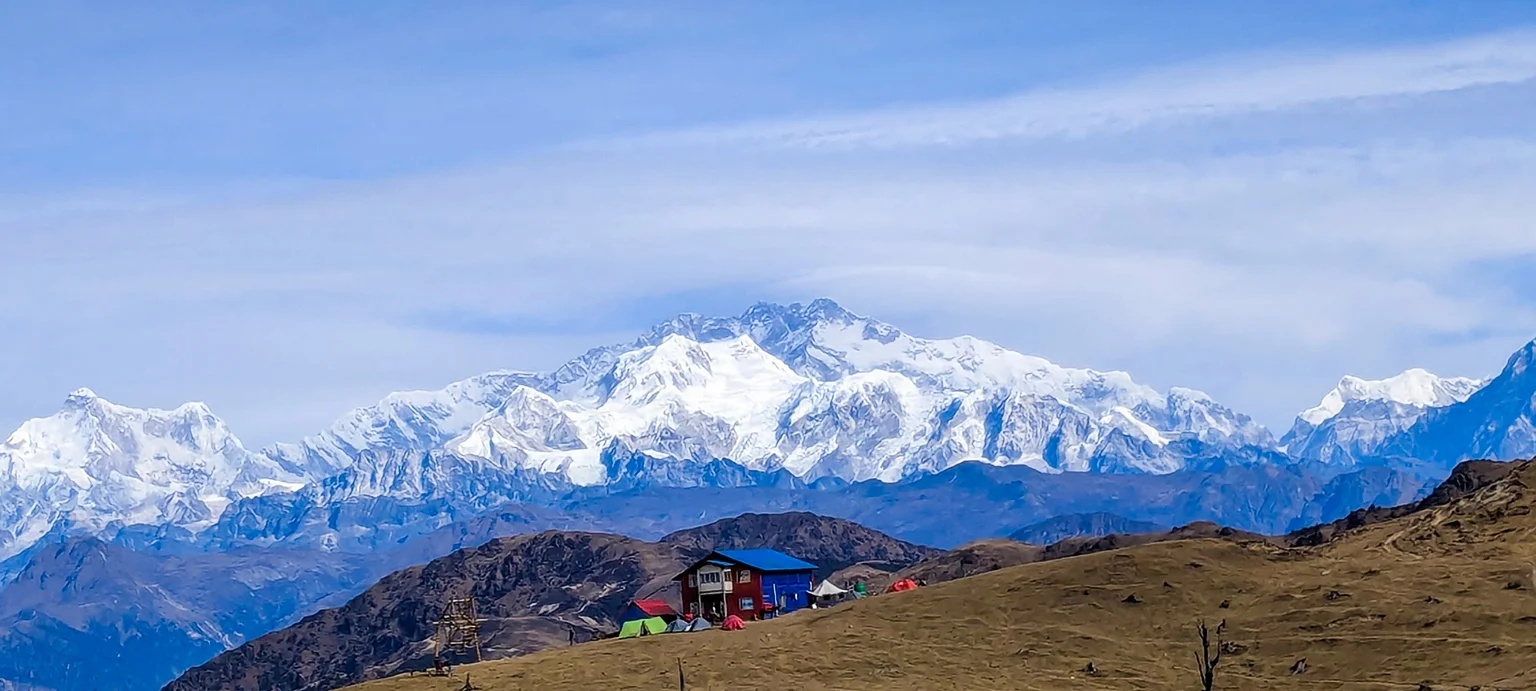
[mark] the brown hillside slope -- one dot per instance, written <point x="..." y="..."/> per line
<point x="535" y="592"/>
<point x="1442" y="597"/>
<point x="990" y="555"/>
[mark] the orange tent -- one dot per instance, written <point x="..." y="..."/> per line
<point x="902" y="585"/>
<point x="733" y="623"/>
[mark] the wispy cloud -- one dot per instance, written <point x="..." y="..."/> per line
<point x="1122" y="234"/>
<point x="1235" y="86"/>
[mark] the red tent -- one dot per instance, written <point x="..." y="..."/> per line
<point x="733" y="623"/>
<point x="902" y="585"/>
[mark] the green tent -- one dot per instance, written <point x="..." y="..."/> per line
<point x="643" y="627"/>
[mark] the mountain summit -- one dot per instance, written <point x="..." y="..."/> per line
<point x="1358" y="417"/>
<point x="811" y="389"/>
<point x="1496" y="422"/>
<point x="95" y="463"/>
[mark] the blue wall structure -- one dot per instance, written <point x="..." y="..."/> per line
<point x="787" y="591"/>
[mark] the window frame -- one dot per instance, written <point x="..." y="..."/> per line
<point x="747" y="604"/>
<point x="744" y="576"/>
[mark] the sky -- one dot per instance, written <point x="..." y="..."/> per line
<point x="290" y="209"/>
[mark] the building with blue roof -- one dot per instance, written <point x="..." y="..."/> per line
<point x="749" y="583"/>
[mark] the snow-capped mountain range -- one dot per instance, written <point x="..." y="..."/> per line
<point x="1358" y="416"/>
<point x="810" y="390"/>
<point x="95" y="463"/>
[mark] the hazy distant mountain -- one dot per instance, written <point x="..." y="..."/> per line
<point x="1359" y="416"/>
<point x="1053" y="530"/>
<point x="86" y="614"/>
<point x="1498" y="422"/>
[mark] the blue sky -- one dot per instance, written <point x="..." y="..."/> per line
<point x="290" y="209"/>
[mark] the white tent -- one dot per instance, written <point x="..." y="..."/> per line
<point x="826" y="589"/>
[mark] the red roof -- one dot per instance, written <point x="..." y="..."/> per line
<point x="655" y="608"/>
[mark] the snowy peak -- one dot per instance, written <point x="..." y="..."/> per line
<point x="677" y="364"/>
<point x="1415" y="387"/>
<point x="683" y="367"/>
<point x="1496" y="422"/>
<point x="679" y="398"/>
<point x="80" y="398"/>
<point x="93" y="436"/>
<point x="409" y="421"/>
<point x="811" y="388"/>
<point x="95" y="462"/>
<point x="822" y="340"/>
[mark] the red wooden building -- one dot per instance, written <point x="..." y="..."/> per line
<point x="645" y="609"/>
<point x="749" y="583"/>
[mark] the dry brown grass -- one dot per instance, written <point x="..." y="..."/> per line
<point x="1444" y="598"/>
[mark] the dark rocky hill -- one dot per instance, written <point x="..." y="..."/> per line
<point x="829" y="543"/>
<point x="531" y="589"/>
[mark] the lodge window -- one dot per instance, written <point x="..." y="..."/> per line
<point x="693" y="580"/>
<point x="744" y="577"/>
<point x="726" y="574"/>
<point x="745" y="604"/>
<point x="711" y="577"/>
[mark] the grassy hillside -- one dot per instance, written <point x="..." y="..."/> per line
<point x="1442" y="597"/>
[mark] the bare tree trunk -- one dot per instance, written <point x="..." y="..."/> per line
<point x="1204" y="659"/>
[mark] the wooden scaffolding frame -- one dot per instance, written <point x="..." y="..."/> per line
<point x="458" y="630"/>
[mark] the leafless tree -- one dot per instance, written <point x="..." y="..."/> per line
<point x="1205" y="659"/>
